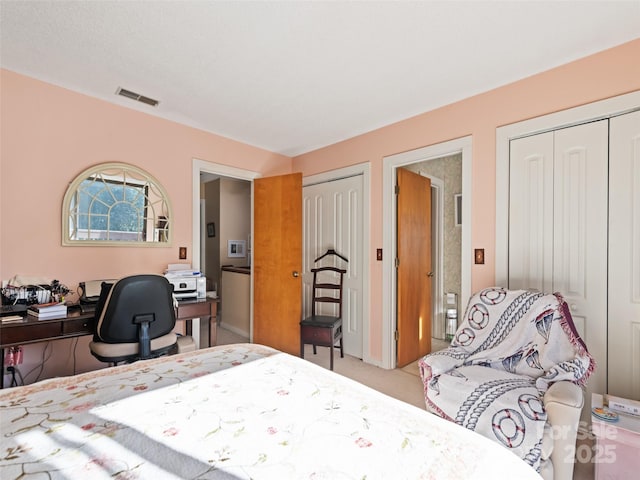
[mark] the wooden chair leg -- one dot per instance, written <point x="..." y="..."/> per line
<point x="301" y="348"/>
<point x="341" y="350"/>
<point x="315" y="352"/>
<point x="331" y="358"/>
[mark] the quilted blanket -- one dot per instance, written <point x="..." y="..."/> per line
<point x="510" y="347"/>
<point x="241" y="411"/>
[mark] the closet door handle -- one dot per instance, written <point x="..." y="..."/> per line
<point x="295" y="274"/>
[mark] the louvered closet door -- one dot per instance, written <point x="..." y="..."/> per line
<point x="558" y="226"/>
<point x="624" y="257"/>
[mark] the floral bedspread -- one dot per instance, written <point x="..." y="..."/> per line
<point x="240" y="411"/>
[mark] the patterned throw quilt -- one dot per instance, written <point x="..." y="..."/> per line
<point x="232" y="412"/>
<point x="510" y="346"/>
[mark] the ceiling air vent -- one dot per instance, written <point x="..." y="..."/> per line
<point x="137" y="96"/>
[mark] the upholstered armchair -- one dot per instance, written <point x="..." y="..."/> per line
<point x="514" y="373"/>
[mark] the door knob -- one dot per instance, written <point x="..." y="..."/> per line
<point x="295" y="274"/>
<point x="430" y="274"/>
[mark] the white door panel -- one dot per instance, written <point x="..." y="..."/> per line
<point x="580" y="234"/>
<point x="558" y="226"/>
<point x="624" y="257"/>
<point x="531" y="213"/>
<point x="333" y="219"/>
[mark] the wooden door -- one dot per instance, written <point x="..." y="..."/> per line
<point x="414" y="266"/>
<point x="277" y="262"/>
<point x="624" y="257"/>
<point x="333" y="218"/>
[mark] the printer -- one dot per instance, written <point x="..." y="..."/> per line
<point x="187" y="283"/>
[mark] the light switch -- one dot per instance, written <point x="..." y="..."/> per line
<point x="479" y="256"/>
<point x="182" y="253"/>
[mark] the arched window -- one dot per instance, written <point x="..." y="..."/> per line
<point x="116" y="204"/>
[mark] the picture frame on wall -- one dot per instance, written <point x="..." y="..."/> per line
<point x="236" y="248"/>
<point x="211" y="229"/>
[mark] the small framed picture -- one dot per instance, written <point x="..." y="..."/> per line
<point x="236" y="248"/>
<point x="211" y="229"/>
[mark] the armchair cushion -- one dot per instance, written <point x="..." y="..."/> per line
<point x="510" y="347"/>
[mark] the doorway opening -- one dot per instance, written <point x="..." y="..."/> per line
<point x="222" y="238"/>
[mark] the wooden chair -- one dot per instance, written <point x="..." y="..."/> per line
<point x="324" y="330"/>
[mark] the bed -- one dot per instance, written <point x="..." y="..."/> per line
<point x="234" y="411"/>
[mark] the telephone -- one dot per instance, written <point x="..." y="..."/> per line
<point x="90" y="291"/>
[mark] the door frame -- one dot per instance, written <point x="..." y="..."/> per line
<point x="363" y="169"/>
<point x="199" y="166"/>
<point x="391" y="163"/>
<point x="599" y="110"/>
<point x="437" y="246"/>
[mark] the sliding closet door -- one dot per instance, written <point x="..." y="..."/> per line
<point x="624" y="257"/>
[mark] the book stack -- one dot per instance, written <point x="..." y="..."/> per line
<point x="44" y="311"/>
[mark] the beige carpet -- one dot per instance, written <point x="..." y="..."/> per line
<point x="396" y="383"/>
<point x="412" y="368"/>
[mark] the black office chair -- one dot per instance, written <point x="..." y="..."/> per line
<point x="135" y="318"/>
<point x="324" y="330"/>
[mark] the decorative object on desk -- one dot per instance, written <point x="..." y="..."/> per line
<point x="48" y="310"/>
<point x="211" y="229"/>
<point x="603" y="413"/>
<point x="31" y="290"/>
<point x="58" y="291"/>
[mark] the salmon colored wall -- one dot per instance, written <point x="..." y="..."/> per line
<point x="606" y="74"/>
<point x="49" y="135"/>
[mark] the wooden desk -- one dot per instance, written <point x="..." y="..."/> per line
<point x="206" y="310"/>
<point x="76" y="324"/>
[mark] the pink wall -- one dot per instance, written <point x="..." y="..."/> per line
<point x="50" y="134"/>
<point x="606" y="74"/>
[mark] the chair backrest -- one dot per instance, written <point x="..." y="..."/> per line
<point x="133" y="298"/>
<point x="325" y="281"/>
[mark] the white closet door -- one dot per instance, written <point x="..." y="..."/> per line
<point x="332" y="218"/>
<point x="580" y="235"/>
<point x="558" y="226"/>
<point x="624" y="257"/>
<point x="531" y="213"/>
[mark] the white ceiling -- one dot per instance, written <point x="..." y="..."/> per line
<point x="291" y="77"/>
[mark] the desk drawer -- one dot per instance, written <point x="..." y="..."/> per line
<point x="194" y="310"/>
<point x="29" y="333"/>
<point x="78" y="326"/>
